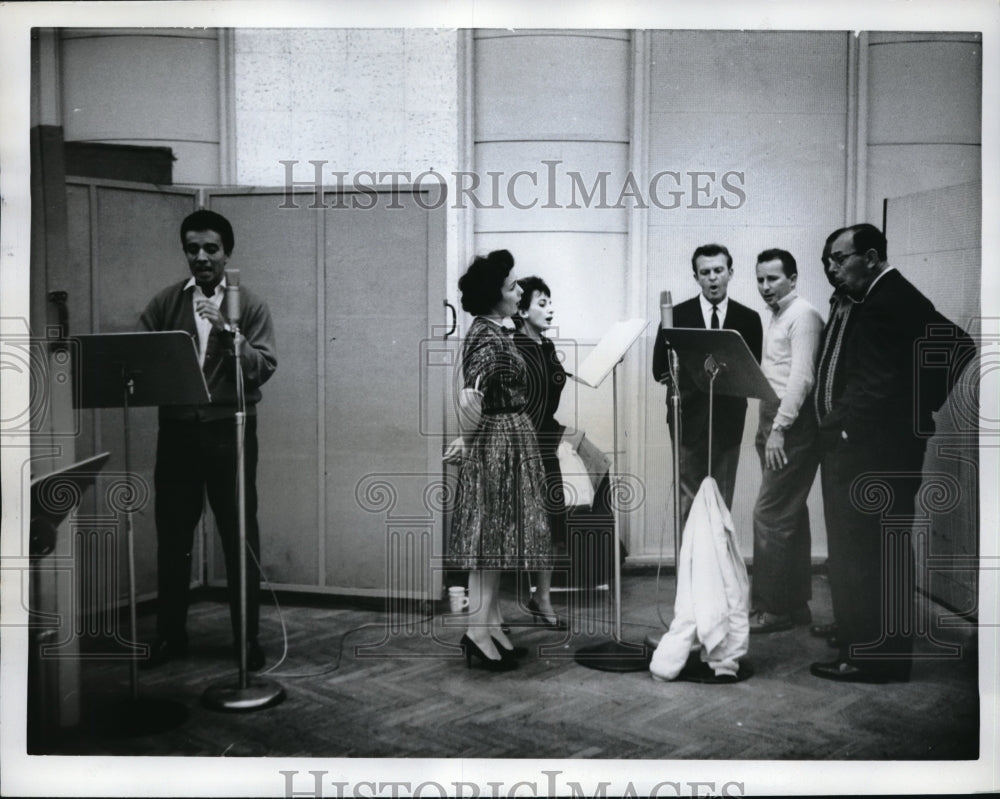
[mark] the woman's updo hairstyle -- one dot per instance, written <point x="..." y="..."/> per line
<point x="482" y="283"/>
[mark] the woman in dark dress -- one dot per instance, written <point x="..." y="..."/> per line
<point x="546" y="379"/>
<point x="500" y="521"/>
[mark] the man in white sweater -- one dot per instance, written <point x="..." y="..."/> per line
<point x="786" y="444"/>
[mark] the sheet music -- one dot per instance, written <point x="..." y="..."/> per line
<point x="609" y="351"/>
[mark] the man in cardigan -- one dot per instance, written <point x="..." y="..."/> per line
<point x="196" y="450"/>
<point x="712" y="309"/>
<point x="874" y="401"/>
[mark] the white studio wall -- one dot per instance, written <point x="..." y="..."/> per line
<point x="924" y="115"/>
<point x="361" y="100"/>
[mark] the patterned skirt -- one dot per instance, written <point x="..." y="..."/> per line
<point x="501" y="518"/>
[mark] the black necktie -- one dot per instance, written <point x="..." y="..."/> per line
<point x="715" y="316"/>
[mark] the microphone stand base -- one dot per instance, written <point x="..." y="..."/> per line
<point x="229" y="696"/>
<point x="616" y="656"/>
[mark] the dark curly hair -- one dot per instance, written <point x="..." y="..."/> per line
<point x="482" y="283"/>
<point x="530" y="285"/>
<point x="202" y="220"/>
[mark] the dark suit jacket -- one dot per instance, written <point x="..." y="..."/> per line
<point x="729" y="413"/>
<point x="889" y="389"/>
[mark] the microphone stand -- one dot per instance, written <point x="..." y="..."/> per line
<point x="675" y="405"/>
<point x="653" y="639"/>
<point x="259" y="693"/>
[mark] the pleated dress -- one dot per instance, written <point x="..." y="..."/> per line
<point x="501" y="520"/>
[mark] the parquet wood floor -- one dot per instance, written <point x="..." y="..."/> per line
<point x="357" y="689"/>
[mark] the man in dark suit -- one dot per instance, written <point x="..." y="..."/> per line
<point x="874" y="409"/>
<point x="712" y="309"/>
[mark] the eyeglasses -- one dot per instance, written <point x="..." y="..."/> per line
<point x="840" y="258"/>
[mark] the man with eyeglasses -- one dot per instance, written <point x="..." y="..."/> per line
<point x="874" y="412"/>
<point x="196" y="446"/>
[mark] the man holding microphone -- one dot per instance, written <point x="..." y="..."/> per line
<point x="196" y="451"/>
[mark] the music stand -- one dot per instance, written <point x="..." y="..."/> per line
<point x="615" y="655"/>
<point x="125" y="370"/>
<point x="715" y="361"/>
<point x="734" y="370"/>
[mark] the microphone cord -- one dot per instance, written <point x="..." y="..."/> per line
<point x="340" y="651"/>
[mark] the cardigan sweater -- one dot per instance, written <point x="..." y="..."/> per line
<point x="173" y="309"/>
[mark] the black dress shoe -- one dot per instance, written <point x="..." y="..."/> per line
<point x="163" y="651"/>
<point x="255" y="656"/>
<point x="823" y="630"/>
<point x="844" y="671"/>
<point x="765" y="622"/>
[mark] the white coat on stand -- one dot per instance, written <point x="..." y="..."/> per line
<point x="711" y="610"/>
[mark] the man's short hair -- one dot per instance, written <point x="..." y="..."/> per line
<point x="203" y="219"/>
<point x="529" y="285"/>
<point x="788" y="265"/>
<point x="708" y="250"/>
<point x="868" y="237"/>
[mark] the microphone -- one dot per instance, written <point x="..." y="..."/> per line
<point x="666" y="310"/>
<point x="233" y="296"/>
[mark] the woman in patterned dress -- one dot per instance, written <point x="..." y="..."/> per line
<point x="500" y="521"/>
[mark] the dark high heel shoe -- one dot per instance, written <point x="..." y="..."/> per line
<point x="535" y="611"/>
<point x="470" y="649"/>
<point x="515" y="653"/>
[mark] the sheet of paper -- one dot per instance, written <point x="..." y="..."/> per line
<point x="609" y="351"/>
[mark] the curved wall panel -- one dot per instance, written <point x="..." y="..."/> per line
<point x="157" y="89"/>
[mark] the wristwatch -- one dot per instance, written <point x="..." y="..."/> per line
<point x="780" y="428"/>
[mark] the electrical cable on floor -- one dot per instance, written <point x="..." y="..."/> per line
<point x="340" y="652"/>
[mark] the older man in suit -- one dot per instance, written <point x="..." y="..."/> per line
<point x="712" y="309"/>
<point x="874" y="410"/>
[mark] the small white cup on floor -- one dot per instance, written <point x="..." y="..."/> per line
<point x="457" y="599"/>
